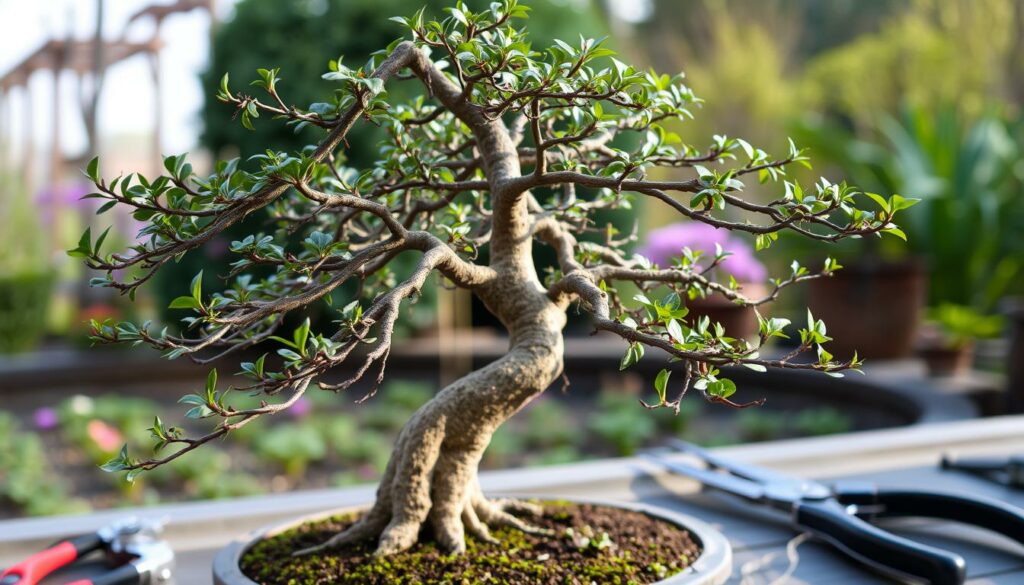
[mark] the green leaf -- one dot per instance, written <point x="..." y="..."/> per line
<point x="721" y="388"/>
<point x="896" y="232"/>
<point x="183" y="303"/>
<point x="661" y="384"/>
<point x="201" y="411"/>
<point x="84" y="248"/>
<point x="211" y="383"/>
<point x="301" y="336"/>
<point x="880" y="201"/>
<point x="675" y="330"/>
<point x="118" y="463"/>
<point x="92" y="170"/>
<point x="634" y="353"/>
<point x="197" y="288"/>
<point x="898" y="203"/>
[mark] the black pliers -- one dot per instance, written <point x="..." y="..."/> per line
<point x="840" y="514"/>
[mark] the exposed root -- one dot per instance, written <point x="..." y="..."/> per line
<point x="476" y="517"/>
<point x="431" y="479"/>
<point x="364" y="529"/>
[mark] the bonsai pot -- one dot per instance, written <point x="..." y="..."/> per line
<point x="739" y="321"/>
<point x="712" y="567"/>
<point x="873" y="309"/>
<point x="947" y="361"/>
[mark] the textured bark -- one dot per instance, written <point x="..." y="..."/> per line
<point x="431" y="478"/>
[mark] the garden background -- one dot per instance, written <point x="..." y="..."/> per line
<point x="921" y="98"/>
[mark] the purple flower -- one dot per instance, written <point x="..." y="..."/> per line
<point x="301" y="408"/>
<point x="45" y="418"/>
<point x="666" y="243"/>
<point x="67" y="195"/>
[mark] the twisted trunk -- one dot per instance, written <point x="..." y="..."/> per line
<point x="431" y="478"/>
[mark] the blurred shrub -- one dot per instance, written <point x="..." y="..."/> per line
<point x="760" y="425"/>
<point x="967" y="172"/>
<point x="813" y="422"/>
<point x="932" y="53"/>
<point x="621" y="423"/>
<point x="26" y="478"/>
<point x="292" y="446"/>
<point x="26" y="278"/>
<point x="24" y="304"/>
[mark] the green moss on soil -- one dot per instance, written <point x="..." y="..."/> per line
<point x="643" y="550"/>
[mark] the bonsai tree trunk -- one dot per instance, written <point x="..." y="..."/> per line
<point x="431" y="477"/>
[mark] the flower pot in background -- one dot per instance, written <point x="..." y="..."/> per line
<point x="947" y="361"/>
<point x="667" y="245"/>
<point x="874" y="309"/>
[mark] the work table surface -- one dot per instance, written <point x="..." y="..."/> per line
<point x="905" y="457"/>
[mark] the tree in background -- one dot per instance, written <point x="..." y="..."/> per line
<point x="295" y="36"/>
<point x="487" y="156"/>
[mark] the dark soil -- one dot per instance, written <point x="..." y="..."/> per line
<point x="591" y="544"/>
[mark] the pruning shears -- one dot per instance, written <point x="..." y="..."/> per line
<point x="841" y="514"/>
<point x="132" y="546"/>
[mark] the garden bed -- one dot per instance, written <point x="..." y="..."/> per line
<point x="328" y="441"/>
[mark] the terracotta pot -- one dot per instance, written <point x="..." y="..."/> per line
<point x="945" y="361"/>
<point x="712" y="567"/>
<point x="739" y="322"/>
<point x="873" y="309"/>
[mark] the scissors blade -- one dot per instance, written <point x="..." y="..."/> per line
<point x="744" y="470"/>
<point x="708" y="477"/>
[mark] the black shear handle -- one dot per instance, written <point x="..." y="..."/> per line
<point x="978" y="511"/>
<point x="886" y="552"/>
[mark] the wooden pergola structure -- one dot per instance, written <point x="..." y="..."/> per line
<point x="87" y="60"/>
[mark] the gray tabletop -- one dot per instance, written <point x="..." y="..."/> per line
<point x="765" y="549"/>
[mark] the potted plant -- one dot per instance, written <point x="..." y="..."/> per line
<point x="963" y="240"/>
<point x="486" y="158"/>
<point x="949" y="349"/>
<point x="726" y="258"/>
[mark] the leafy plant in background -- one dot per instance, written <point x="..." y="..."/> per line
<point x="486" y="158"/>
<point x="961" y="325"/>
<point x="968" y="225"/>
<point x="294" y="447"/>
<point x="25" y="275"/>
<point x="26" y="478"/>
<point x="813" y="422"/>
<point x="926" y="55"/>
<point x="757" y="425"/>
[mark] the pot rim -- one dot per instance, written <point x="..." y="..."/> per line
<point x="712" y="567"/>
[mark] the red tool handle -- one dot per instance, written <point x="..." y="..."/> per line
<point x="32" y="570"/>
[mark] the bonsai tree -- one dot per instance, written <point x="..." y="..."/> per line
<point x="489" y="156"/>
